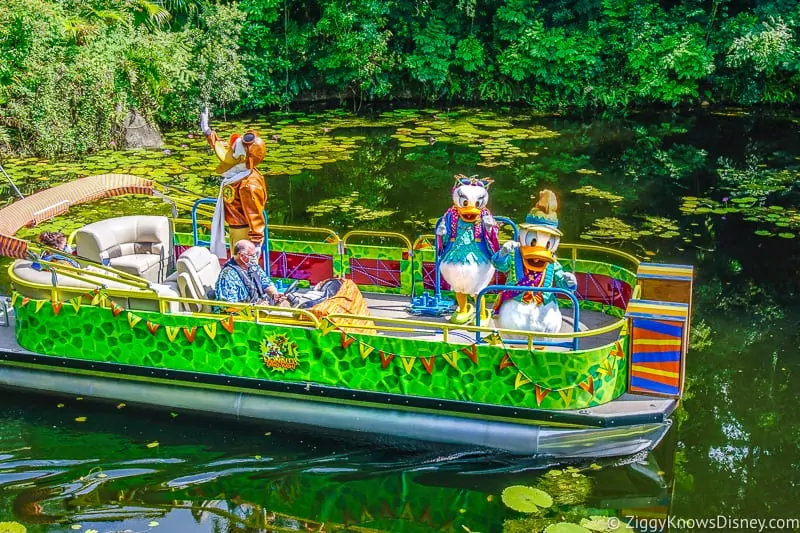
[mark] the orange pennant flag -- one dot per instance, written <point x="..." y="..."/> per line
<point x="472" y="352"/>
<point x="346" y="340"/>
<point x="427" y="362"/>
<point x="25" y="301"/>
<point x="190" y="333"/>
<point x="227" y="323"/>
<point x="152" y="327"/>
<point x="541" y="393"/>
<point x="506" y="361"/>
<point x="588" y="385"/>
<point x="56" y="307"/>
<point x="116" y="309"/>
<point x="386" y="359"/>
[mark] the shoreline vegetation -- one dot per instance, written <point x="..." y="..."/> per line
<point x="72" y="70"/>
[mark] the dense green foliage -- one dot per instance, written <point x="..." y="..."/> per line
<point x="70" y="68"/>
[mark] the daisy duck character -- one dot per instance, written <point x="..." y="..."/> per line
<point x="534" y="263"/>
<point x="466" y="241"/>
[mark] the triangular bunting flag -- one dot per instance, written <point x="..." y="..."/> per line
<point x="39" y="305"/>
<point x="25" y="301"/>
<point x="566" y="395"/>
<point x="472" y="352"/>
<point x="408" y="363"/>
<point x="617" y="350"/>
<point x="364" y="350"/>
<point x="190" y="333"/>
<point x="606" y="368"/>
<point x="425" y="518"/>
<point x="210" y="329"/>
<point x="588" y="385"/>
<point x="406" y="513"/>
<point x="520" y="380"/>
<point x="365" y="516"/>
<point x="116" y="309"/>
<point x="346" y="340"/>
<point x="14" y="297"/>
<point x="133" y="319"/>
<point x="506" y="361"/>
<point x="326" y="326"/>
<point x="172" y="332"/>
<point x="451" y="358"/>
<point x="386" y="359"/>
<point x="76" y="303"/>
<point x="56" y="307"/>
<point x="427" y="362"/>
<point x="152" y="327"/>
<point x="541" y="393"/>
<point x="244" y="312"/>
<point x="97" y="297"/>
<point x="227" y="323"/>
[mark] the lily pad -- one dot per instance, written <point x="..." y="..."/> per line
<point x="12" y="527"/>
<point x="786" y="235"/>
<point x="526" y="499"/>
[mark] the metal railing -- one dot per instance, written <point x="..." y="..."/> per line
<point x="514" y="288"/>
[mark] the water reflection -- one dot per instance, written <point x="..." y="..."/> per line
<point x="210" y="476"/>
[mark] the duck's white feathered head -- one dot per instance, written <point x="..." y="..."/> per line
<point x="470" y="196"/>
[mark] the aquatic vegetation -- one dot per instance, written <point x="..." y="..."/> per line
<point x="784" y="222"/>
<point x="526" y="499"/>
<point x="594" y="192"/>
<point x="555" y="504"/>
<point x="755" y="179"/>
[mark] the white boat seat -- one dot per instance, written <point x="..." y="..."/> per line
<point x="198" y="270"/>
<point x="140" y="245"/>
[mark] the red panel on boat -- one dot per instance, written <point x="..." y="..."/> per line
<point x="380" y="272"/>
<point x="313" y="267"/>
<point x="602" y="288"/>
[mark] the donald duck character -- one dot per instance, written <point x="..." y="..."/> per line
<point x="535" y="265"/>
<point x="466" y="241"/>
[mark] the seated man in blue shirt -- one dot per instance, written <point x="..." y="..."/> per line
<point x="243" y="280"/>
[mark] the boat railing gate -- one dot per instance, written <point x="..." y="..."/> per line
<point x="573" y="344"/>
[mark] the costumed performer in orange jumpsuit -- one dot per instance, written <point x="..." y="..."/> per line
<point x="242" y="192"/>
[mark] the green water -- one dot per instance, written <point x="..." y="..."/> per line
<point x="714" y="190"/>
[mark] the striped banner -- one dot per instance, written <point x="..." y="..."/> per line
<point x="656" y="356"/>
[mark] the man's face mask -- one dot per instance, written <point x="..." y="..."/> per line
<point x="252" y="260"/>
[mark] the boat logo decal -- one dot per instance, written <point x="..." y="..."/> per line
<point x="279" y="353"/>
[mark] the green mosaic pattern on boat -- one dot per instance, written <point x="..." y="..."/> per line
<point x="93" y="333"/>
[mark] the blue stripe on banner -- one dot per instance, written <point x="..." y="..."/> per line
<point x="655" y="357"/>
<point x="658" y="327"/>
<point x="641" y="383"/>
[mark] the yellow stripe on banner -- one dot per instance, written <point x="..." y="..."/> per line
<point x="661" y="310"/>
<point x="656" y="342"/>
<point x="654" y="371"/>
<point x="666" y="271"/>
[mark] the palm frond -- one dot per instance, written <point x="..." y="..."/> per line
<point x="155" y="12"/>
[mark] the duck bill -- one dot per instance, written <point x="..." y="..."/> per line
<point x="469" y="214"/>
<point x="536" y="258"/>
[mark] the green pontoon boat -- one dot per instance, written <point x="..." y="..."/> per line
<point x="133" y="324"/>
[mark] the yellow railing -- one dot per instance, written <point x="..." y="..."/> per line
<point x="383" y="234"/>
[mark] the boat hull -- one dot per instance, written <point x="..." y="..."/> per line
<point x="369" y="420"/>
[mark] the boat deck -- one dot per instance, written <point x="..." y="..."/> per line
<point x="394" y="306"/>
